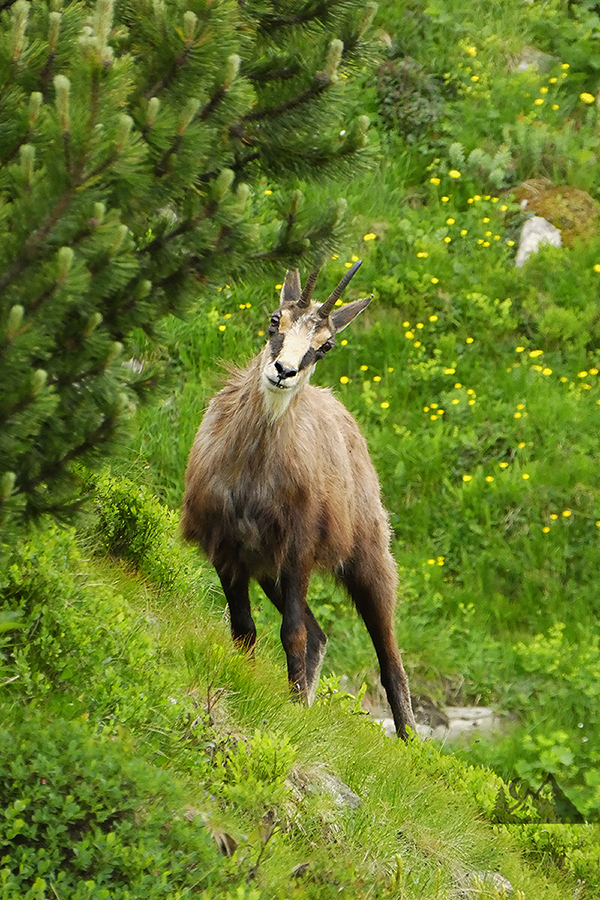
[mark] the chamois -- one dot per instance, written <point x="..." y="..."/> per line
<point x="279" y="482"/>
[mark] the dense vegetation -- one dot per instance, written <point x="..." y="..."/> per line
<point x="476" y="384"/>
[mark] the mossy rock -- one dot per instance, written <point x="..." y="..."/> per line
<point x="570" y="209"/>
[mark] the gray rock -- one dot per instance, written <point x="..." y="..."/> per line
<point x="461" y="721"/>
<point x="536" y="231"/>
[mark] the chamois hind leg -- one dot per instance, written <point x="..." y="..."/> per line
<point x="315" y="638"/>
<point x="243" y="629"/>
<point x="374" y="593"/>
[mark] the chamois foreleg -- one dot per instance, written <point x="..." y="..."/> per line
<point x="315" y="638"/>
<point x="374" y="595"/>
<point x="243" y="629"/>
<point x="293" y="586"/>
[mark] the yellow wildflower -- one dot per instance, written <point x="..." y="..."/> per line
<point x="344" y="379"/>
<point x="453" y="173"/>
<point x="586" y="97"/>
<point x="370" y="236"/>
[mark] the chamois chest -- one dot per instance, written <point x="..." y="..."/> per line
<point x="271" y="489"/>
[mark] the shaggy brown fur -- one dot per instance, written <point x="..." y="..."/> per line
<point x="274" y="496"/>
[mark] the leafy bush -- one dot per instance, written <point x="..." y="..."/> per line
<point x="76" y="640"/>
<point x="574" y="849"/>
<point x="411" y="102"/>
<point x="131" y="524"/>
<point x="82" y="818"/>
<point x="556" y="684"/>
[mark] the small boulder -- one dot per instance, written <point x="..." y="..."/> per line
<point x="536" y="231"/>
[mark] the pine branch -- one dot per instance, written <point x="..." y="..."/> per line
<point x="55" y="466"/>
<point x="172" y="73"/>
<point x="308" y="14"/>
<point x="185" y="226"/>
<point x="273" y="75"/>
<point x="201" y="116"/>
<point x="320" y="83"/>
<point x="35" y="240"/>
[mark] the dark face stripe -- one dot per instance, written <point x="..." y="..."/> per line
<point x="309" y="358"/>
<point x="276" y="343"/>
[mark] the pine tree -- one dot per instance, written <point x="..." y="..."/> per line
<point x="131" y="134"/>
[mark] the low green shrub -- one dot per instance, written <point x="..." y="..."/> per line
<point x="83" y="818"/>
<point x="555" y="684"/>
<point x="78" y="643"/>
<point x="131" y="524"/>
<point x="573" y="849"/>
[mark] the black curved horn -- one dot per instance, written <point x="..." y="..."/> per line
<point x="328" y="305"/>
<point x="309" y="287"/>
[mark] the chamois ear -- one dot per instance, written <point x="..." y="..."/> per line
<point x="345" y="314"/>
<point x="291" y="291"/>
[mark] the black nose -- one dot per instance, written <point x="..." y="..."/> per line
<point x="284" y="372"/>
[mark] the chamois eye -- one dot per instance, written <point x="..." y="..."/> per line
<point x="274" y="324"/>
<point x="324" y="348"/>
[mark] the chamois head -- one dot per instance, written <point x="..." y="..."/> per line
<point x="301" y="332"/>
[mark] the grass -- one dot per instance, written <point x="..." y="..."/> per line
<point x="174" y="711"/>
